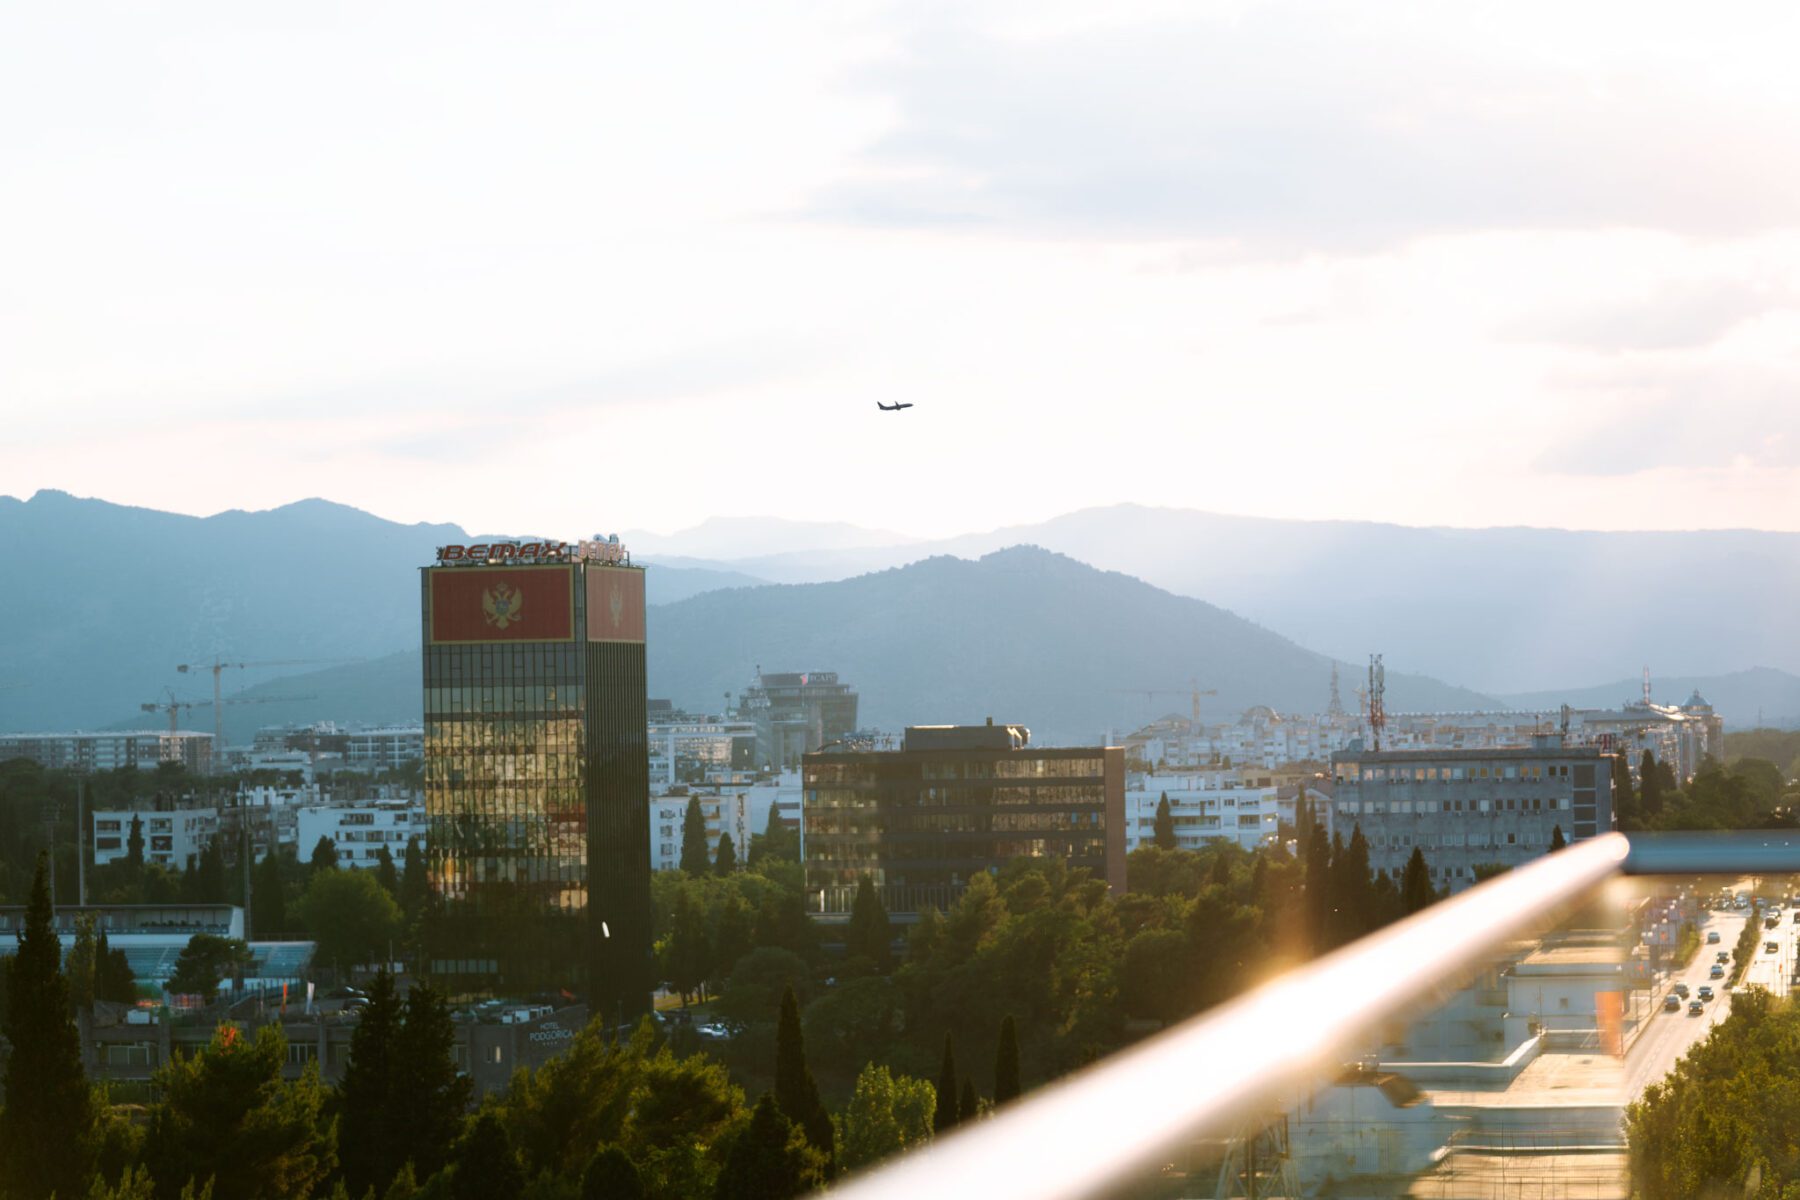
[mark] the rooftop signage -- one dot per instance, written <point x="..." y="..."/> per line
<point x="601" y="550"/>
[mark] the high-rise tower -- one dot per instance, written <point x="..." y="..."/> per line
<point x="537" y="770"/>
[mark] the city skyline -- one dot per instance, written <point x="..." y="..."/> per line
<point x="1508" y="266"/>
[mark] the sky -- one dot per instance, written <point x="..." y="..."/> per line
<point x="574" y="266"/>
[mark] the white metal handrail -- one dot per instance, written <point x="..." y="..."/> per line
<point x="1079" y="1136"/>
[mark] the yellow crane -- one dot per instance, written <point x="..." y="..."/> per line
<point x="218" y="666"/>
<point x="1193" y="691"/>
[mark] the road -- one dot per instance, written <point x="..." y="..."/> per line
<point x="1670" y="1034"/>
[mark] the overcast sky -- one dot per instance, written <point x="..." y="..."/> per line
<point x="591" y="266"/>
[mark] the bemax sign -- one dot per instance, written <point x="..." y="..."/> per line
<point x="496" y="552"/>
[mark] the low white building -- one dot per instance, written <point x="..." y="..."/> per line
<point x="359" y="830"/>
<point x="1205" y="806"/>
<point x="171" y="839"/>
<point x="741" y="810"/>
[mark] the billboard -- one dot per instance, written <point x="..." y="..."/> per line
<point x="615" y="604"/>
<point x="502" y="604"/>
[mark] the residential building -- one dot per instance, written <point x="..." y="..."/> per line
<point x="952" y="802"/>
<point x="331" y="746"/>
<point x="536" y="770"/>
<point x="173" y="836"/>
<point x="143" y="749"/>
<point x="796" y="713"/>
<point x="741" y="810"/>
<point x="692" y="748"/>
<point x="1469" y="808"/>
<point x="1203" y="810"/>
<point x="359" y="830"/>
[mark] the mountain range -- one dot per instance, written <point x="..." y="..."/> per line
<point x="108" y="599"/>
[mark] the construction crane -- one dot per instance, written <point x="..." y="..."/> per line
<point x="1193" y="691"/>
<point x="218" y="665"/>
<point x="173" y="706"/>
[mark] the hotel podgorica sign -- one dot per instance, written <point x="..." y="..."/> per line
<point x="504" y="604"/>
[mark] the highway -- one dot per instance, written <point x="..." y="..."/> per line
<point x="1670" y="1034"/>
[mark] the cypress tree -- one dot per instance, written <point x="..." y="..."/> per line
<point x="1650" y="789"/>
<point x="113" y="977"/>
<point x="1557" y="840"/>
<point x="427" y="1082"/>
<point x="371" y="1147"/>
<point x="47" y="1129"/>
<point x="763" y="1163"/>
<point x="487" y="1166"/>
<point x="611" y="1175"/>
<point x="324" y="855"/>
<point x="869" y="934"/>
<point x="1006" y="1062"/>
<point x="1163" y="832"/>
<point x="415" y="882"/>
<point x="269" y="898"/>
<point x="134" y="845"/>
<point x="1221" y="866"/>
<point x="796" y="1092"/>
<point x="1624" y="797"/>
<point x="1318" y="871"/>
<point x="386" y="875"/>
<point x="725" y="863"/>
<point x="969" y="1106"/>
<point x="1416" y="892"/>
<point x="947" y="1114"/>
<point x="693" y="839"/>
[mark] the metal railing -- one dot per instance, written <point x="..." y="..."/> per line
<point x="1079" y="1137"/>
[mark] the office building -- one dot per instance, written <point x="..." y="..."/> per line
<point x="1469" y="808"/>
<point x="952" y="802"/>
<point x="536" y="770"/>
<point x="86" y="752"/>
<point x="795" y="713"/>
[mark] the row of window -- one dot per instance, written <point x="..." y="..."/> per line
<point x="1352" y="773"/>
<point x="1353" y="808"/>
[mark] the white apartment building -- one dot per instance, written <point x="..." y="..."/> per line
<point x="360" y="829"/>
<point x="110" y="751"/>
<point x="1205" y="806"/>
<point x="171" y="839"/>
<point x="741" y="810"/>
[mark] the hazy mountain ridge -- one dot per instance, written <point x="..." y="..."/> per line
<point x="1502" y="608"/>
<point x="103" y="600"/>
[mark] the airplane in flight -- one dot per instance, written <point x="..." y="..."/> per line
<point x="896" y="406"/>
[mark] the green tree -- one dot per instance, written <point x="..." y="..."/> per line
<point x="1153" y="975"/>
<point x="351" y="918"/>
<point x="725" y="861"/>
<point x="693" y="840"/>
<point x="114" y="979"/>
<point x="1486" y="871"/>
<point x="371" y="1117"/>
<point x="795" y="1089"/>
<point x="204" y="880"/>
<point x="204" y="962"/>
<point x="1162" y="834"/>
<point x="1650" y="788"/>
<point x="946" y="1113"/>
<point x="48" y="1127"/>
<point x="769" y="1159"/>
<point x="386" y="875"/>
<point x="686" y="952"/>
<point x="1416" y="892"/>
<point x="968" y="1107"/>
<point x="611" y="1175"/>
<point x="227" y="1115"/>
<point x="1006" y="1063"/>
<point x="415" y="882"/>
<point x="134" y="845"/>
<point x="268" y="893"/>
<point x="1317" y="895"/>
<point x="1349" y="887"/>
<point x="425" y="1080"/>
<point x="731" y="936"/>
<point x="869" y="935"/>
<point x="324" y="856"/>
<point x="1557" y="840"/>
<point x="776" y="843"/>
<point x="486" y="1165"/>
<point x="1624" y="797"/>
<point x="886" y="1114"/>
<point x="82" y="966"/>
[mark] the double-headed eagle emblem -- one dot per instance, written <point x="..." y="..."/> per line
<point x="502" y="606"/>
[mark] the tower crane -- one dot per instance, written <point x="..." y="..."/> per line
<point x="218" y="665"/>
<point x="173" y="705"/>
<point x="1193" y="691"/>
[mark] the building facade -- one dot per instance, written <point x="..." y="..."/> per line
<point x="740" y="809"/>
<point x="795" y="713"/>
<point x="1469" y="808"/>
<point x="361" y="829"/>
<point x="110" y="751"/>
<point x="953" y="802"/>
<point x="536" y="770"/>
<point x="173" y="837"/>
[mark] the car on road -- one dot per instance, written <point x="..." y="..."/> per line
<point x="1717" y="972"/>
<point x="1771" y="947"/>
<point x="1681" y="989"/>
<point x="1705" y="992"/>
<point x="1672" y="1003"/>
<point x="1712" y="935"/>
<point x="1724" y="956"/>
<point x="1695" y="1008"/>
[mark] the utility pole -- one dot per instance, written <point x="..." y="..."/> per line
<point x="81" y="850"/>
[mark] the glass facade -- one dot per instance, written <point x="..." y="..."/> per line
<point x="921" y="823"/>
<point x="535" y="769"/>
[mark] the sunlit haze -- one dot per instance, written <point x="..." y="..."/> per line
<point x="559" y="268"/>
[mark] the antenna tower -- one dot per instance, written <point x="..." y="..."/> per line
<point x="1646" y="685"/>
<point x="1336" y="707"/>
<point x="1377" y="705"/>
